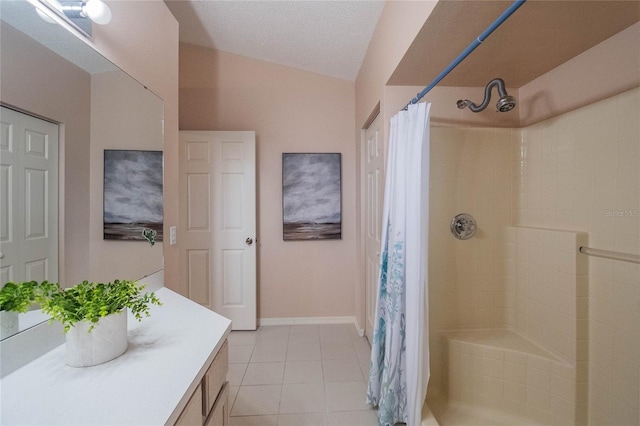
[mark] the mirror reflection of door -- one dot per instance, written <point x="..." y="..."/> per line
<point x="28" y="198"/>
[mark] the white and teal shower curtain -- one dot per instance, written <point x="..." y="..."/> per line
<point x="399" y="370"/>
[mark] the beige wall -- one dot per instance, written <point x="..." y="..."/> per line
<point x="40" y="82"/>
<point x="606" y="69"/>
<point x="124" y="115"/>
<point x="397" y="27"/>
<point x="290" y="111"/>
<point x="583" y="80"/>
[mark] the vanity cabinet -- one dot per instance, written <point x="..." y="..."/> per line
<point x="209" y="403"/>
<point x="173" y="373"/>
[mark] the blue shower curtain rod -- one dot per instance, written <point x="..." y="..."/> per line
<point x="466" y="52"/>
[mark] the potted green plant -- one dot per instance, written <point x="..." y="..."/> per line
<point x="94" y="315"/>
<point x="90" y="302"/>
<point x="18" y="297"/>
<point x="15" y="299"/>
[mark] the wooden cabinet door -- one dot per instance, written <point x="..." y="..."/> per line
<point x="220" y="413"/>
<point x="215" y="377"/>
<point x="192" y="413"/>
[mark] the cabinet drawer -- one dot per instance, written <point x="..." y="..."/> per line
<point x="220" y="413"/>
<point x="215" y="377"/>
<point x="192" y="413"/>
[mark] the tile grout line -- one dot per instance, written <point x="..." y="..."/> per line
<point x="325" y="412"/>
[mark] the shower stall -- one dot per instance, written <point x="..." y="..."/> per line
<point x="525" y="329"/>
<point x="525" y="326"/>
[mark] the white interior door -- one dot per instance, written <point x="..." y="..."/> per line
<point x="373" y="194"/>
<point x="28" y="198"/>
<point x="218" y="222"/>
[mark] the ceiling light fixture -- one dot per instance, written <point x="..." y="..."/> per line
<point x="96" y="10"/>
<point x="79" y="13"/>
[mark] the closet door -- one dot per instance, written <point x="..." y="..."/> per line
<point x="28" y="198"/>
<point x="374" y="197"/>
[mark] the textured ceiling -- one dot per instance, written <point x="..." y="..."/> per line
<point x="326" y="37"/>
<point x="331" y="37"/>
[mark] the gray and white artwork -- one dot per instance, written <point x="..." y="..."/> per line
<point x="311" y="200"/>
<point x="132" y="194"/>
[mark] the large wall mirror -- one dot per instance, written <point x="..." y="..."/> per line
<point x="53" y="85"/>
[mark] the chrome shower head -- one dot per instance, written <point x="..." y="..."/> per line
<point x="505" y="103"/>
<point x="462" y="104"/>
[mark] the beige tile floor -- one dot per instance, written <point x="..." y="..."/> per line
<point x="307" y="375"/>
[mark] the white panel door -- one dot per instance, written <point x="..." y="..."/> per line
<point x="195" y="215"/>
<point x="28" y="198"/>
<point x="374" y="197"/>
<point x="218" y="217"/>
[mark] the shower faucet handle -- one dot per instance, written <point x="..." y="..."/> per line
<point x="463" y="226"/>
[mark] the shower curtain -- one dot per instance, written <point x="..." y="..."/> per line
<point x="399" y="370"/>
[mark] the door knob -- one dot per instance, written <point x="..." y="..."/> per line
<point x="249" y="241"/>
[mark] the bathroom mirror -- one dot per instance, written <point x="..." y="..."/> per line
<point x="51" y="74"/>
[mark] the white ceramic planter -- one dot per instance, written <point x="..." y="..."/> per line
<point x="9" y="324"/>
<point x="107" y="340"/>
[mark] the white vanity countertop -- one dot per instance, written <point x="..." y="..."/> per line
<point x="148" y="385"/>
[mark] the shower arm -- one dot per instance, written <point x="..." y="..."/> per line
<point x="487" y="96"/>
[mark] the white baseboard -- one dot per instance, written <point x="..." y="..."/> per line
<point x="311" y="321"/>
<point x="358" y="328"/>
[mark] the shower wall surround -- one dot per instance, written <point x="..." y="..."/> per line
<point x="574" y="172"/>
<point x="580" y="171"/>
<point x="470" y="173"/>
<point x="537" y="370"/>
<point x="551" y="288"/>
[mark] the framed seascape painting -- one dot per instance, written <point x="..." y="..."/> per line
<point x="132" y="194"/>
<point x="311" y="196"/>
